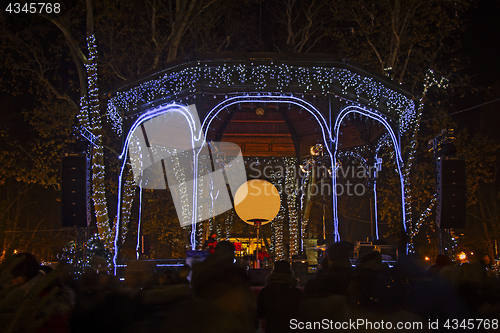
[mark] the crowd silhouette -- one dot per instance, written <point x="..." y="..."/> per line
<point x="217" y="295"/>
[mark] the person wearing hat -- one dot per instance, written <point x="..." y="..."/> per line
<point x="279" y="301"/>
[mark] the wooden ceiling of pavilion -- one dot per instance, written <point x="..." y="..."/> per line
<point x="273" y="133"/>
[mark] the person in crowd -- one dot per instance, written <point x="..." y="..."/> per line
<point x="480" y="292"/>
<point x="90" y="293"/>
<point x="334" y="278"/>
<point x="279" y="301"/>
<point x="325" y="295"/>
<point x="220" y="300"/>
<point x="28" y="276"/>
<point x="424" y="294"/>
<point x="226" y="287"/>
<point x="442" y="261"/>
<point x="138" y="274"/>
<point x="59" y="307"/>
<point x="369" y="281"/>
<point x="378" y="293"/>
<point x="28" y="270"/>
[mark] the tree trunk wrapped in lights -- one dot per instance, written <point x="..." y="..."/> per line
<point x="89" y="115"/>
<point x="413" y="225"/>
<point x="128" y="194"/>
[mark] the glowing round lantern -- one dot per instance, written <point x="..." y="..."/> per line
<point x="257" y="202"/>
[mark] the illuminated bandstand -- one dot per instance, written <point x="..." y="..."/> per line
<point x="284" y="117"/>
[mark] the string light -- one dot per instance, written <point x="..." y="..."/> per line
<point x="272" y="169"/>
<point x="200" y="228"/>
<point x="80" y="254"/>
<point x="138" y="246"/>
<point x="279" y="77"/>
<point x="90" y="119"/>
<point x="277" y="180"/>
<point x="128" y="198"/>
<point x="291" y="199"/>
<point x="229" y="223"/>
<point x="186" y="213"/>
<point x="423" y="216"/>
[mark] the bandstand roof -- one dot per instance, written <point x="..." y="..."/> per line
<point x="283" y="129"/>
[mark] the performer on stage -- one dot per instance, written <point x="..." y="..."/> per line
<point x="263" y="257"/>
<point x="210" y="244"/>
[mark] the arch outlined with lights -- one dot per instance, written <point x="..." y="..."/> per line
<point x="399" y="159"/>
<point x="281" y="99"/>
<point x="195" y="141"/>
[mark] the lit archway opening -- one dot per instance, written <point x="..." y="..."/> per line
<point x="280" y="99"/>
<point x="393" y="138"/>
<point x="196" y="142"/>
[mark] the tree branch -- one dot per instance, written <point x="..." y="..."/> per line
<point x="57" y="93"/>
<point x="365" y="32"/>
<point x="405" y="65"/>
<point x="78" y="57"/>
<point x="73" y="45"/>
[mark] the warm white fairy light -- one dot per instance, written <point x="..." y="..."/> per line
<point x="273" y="173"/>
<point x="128" y="198"/>
<point x="277" y="179"/>
<point x="422" y="218"/>
<point x="200" y="230"/>
<point x="291" y="198"/>
<point x="183" y="189"/>
<point x="229" y="220"/>
<point x="413" y="226"/>
<point x="278" y="226"/>
<point x="305" y="180"/>
<point x="139" y="225"/>
<point x="90" y="118"/>
<point x="272" y="77"/>
<point x="218" y="230"/>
